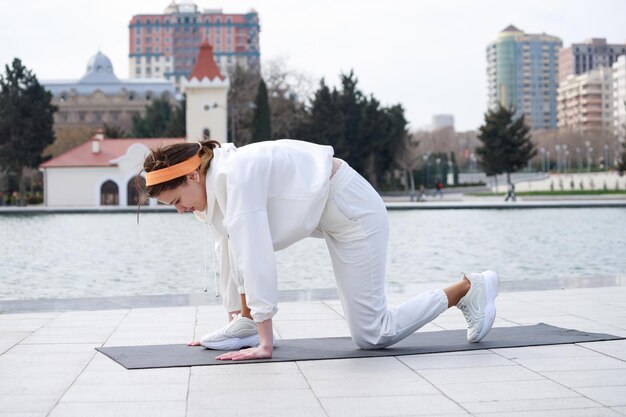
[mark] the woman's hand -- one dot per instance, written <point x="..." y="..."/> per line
<point x="194" y="343"/>
<point x="258" y="352"/>
<point x="263" y="351"/>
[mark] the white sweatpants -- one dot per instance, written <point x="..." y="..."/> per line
<point x="355" y="227"/>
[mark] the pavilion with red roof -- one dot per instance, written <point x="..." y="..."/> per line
<point x="103" y="172"/>
<point x="100" y="172"/>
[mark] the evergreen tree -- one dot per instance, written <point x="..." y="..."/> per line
<point x="324" y="124"/>
<point x="26" y="121"/>
<point x="261" y="119"/>
<point x="113" y="131"/>
<point x="177" y="125"/>
<point x="506" y="143"/>
<point x="160" y="120"/>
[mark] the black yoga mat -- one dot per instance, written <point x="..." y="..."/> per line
<point x="167" y="356"/>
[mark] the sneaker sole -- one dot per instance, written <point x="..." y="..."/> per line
<point x="233" y="343"/>
<point x="492" y="286"/>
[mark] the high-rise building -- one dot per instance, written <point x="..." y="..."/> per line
<point x="619" y="98"/>
<point x="522" y="72"/>
<point x="440" y="121"/>
<point x="166" y="45"/>
<point x="585" y="102"/>
<point x="582" y="57"/>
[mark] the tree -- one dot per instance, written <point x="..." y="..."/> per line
<point x="161" y="120"/>
<point x="261" y="119"/>
<point x="362" y="132"/>
<point x="506" y="145"/>
<point x="243" y="86"/>
<point x="114" y="131"/>
<point x="26" y="121"/>
<point x="622" y="163"/>
<point x="287" y="92"/>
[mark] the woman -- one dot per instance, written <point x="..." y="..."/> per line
<point x="265" y="196"/>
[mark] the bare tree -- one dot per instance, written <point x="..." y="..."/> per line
<point x="407" y="159"/>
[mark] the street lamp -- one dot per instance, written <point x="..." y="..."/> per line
<point x="542" y="151"/>
<point x="548" y="159"/>
<point x="606" y="157"/>
<point x="589" y="156"/>
<point x="558" y="158"/>
<point x="578" y="159"/>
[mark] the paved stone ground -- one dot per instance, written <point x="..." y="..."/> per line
<point x="48" y="366"/>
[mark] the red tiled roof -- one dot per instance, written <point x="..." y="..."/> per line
<point x="205" y="64"/>
<point x="110" y="149"/>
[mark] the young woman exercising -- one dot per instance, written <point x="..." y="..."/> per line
<point x="265" y="196"/>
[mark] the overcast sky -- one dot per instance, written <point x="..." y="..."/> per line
<point x="428" y="55"/>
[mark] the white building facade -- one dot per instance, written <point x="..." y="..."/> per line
<point x="619" y="98"/>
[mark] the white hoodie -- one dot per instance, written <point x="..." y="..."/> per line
<point x="262" y="198"/>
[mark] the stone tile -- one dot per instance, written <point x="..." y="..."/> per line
<point x="176" y="376"/>
<point x="371" y="386"/>
<point x="251" y="382"/>
<point x="65" y="335"/>
<point x="614" y="348"/>
<point x="121" y="409"/>
<point x="611" y="396"/>
<point x="536" y="352"/>
<point x="10" y="339"/>
<point x="571" y="364"/>
<point x="621" y="410"/>
<point x="480" y="374"/>
<point x="588" y="378"/>
<point x="512" y="390"/>
<point x="587" y="412"/>
<point x="195" y="410"/>
<point x="28" y="403"/>
<point x="539" y="405"/>
<point x="399" y="405"/>
<point x="453" y="361"/>
<point x="232" y="402"/>
<point x="126" y="393"/>
<point x="16" y="385"/>
<point x="355" y="368"/>
<point x="22" y="325"/>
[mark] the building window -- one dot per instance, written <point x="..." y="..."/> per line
<point x="109" y="194"/>
<point x="131" y="190"/>
<point x="147" y="21"/>
<point x="131" y="96"/>
<point x="137" y="71"/>
<point x="148" y="96"/>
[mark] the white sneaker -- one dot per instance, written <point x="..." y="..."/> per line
<point x="239" y="333"/>
<point x="479" y="304"/>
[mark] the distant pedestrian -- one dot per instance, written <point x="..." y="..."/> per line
<point x="422" y="193"/>
<point x="439" y="191"/>
<point x="511" y="193"/>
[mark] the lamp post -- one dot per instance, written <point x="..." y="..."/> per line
<point x="558" y="158"/>
<point x="548" y="160"/>
<point x="542" y="151"/>
<point x="578" y="160"/>
<point x="606" y="157"/>
<point x="566" y="161"/>
<point x="589" y="156"/>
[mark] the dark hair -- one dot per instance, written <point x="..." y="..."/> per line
<point x="166" y="156"/>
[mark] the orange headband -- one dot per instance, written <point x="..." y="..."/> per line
<point x="177" y="170"/>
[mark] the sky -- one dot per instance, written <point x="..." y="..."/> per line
<point x="428" y="55"/>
